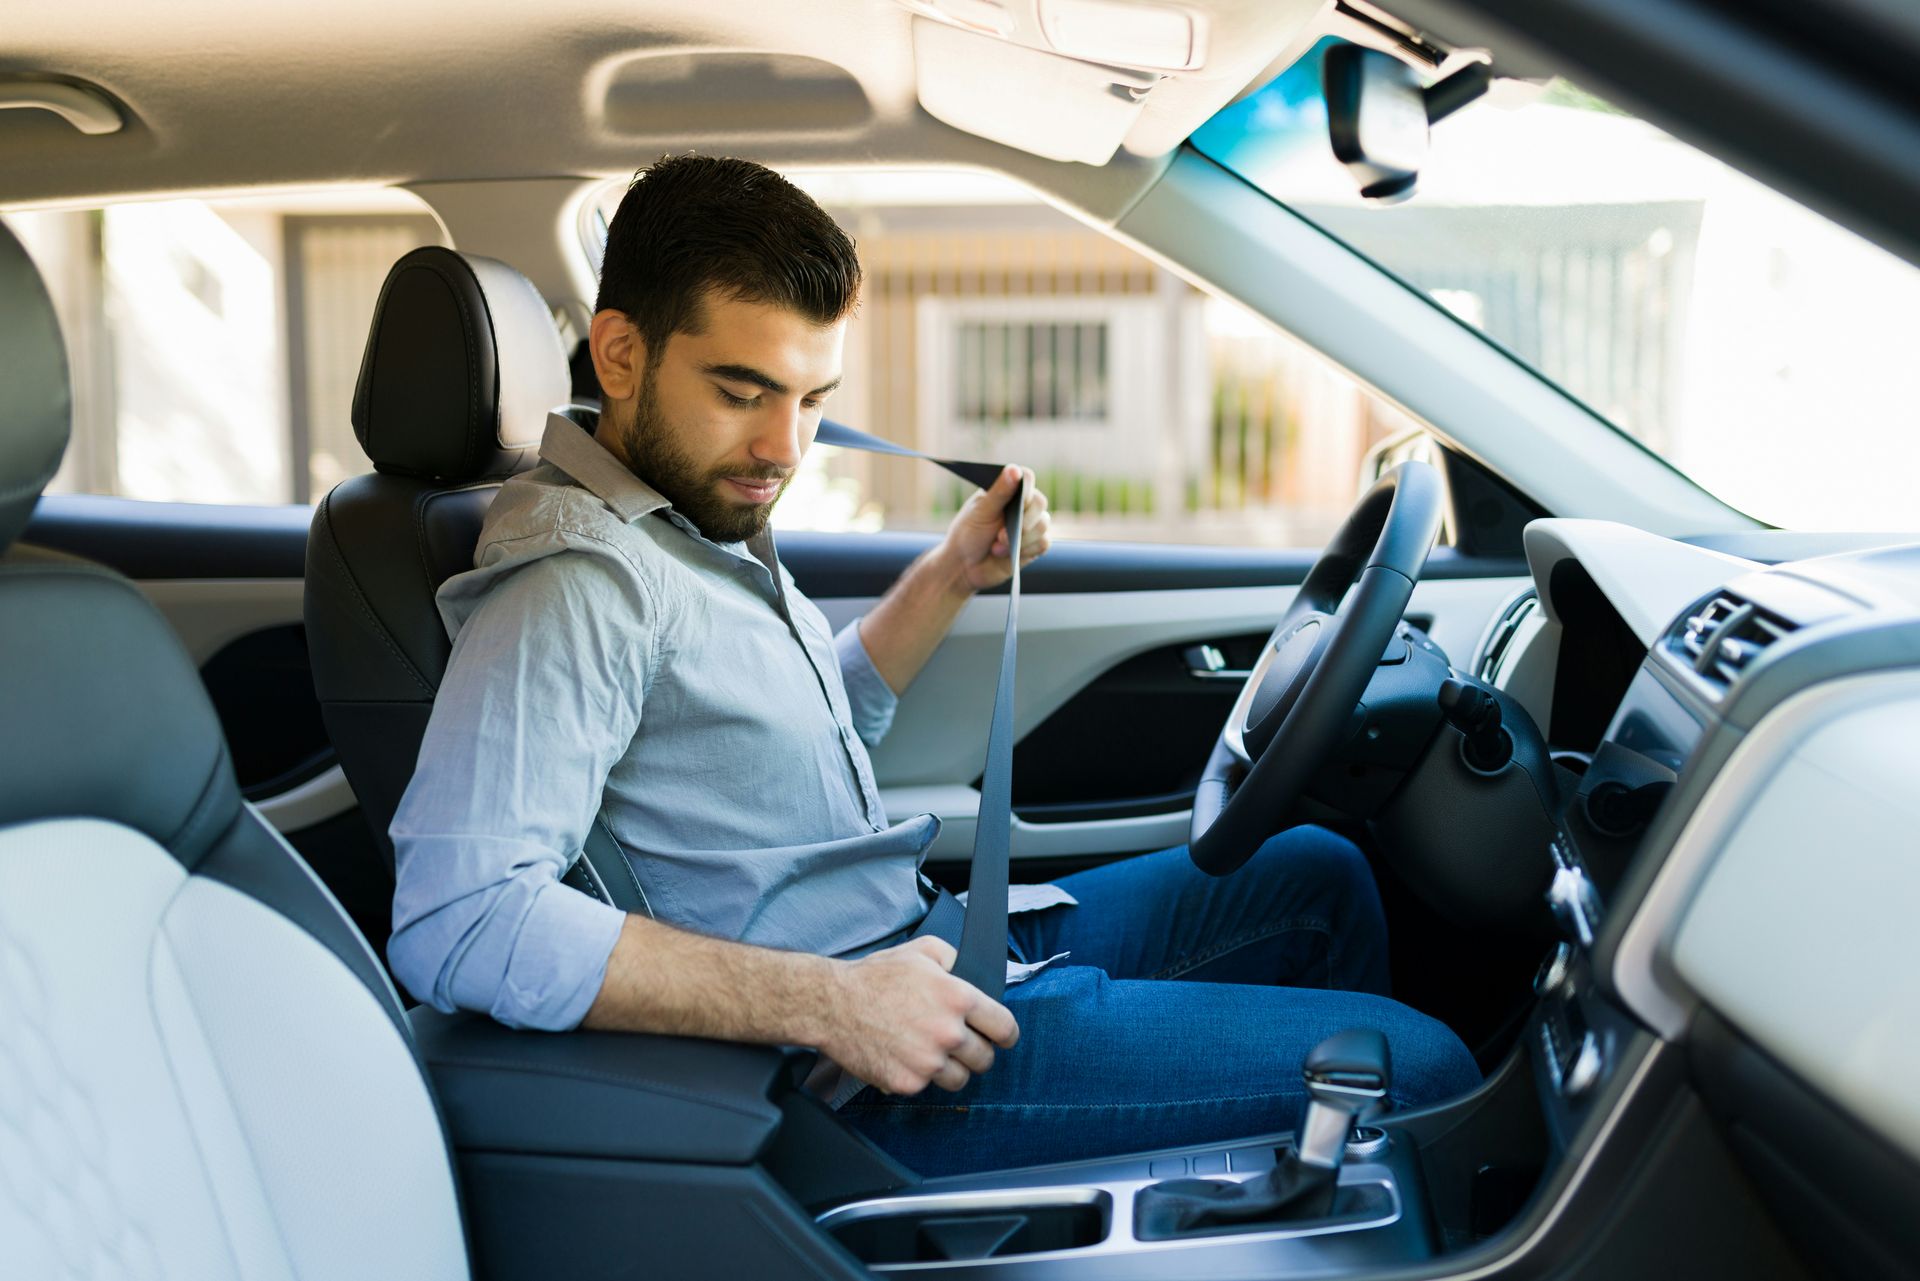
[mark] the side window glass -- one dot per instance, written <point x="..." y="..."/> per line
<point x="214" y="344"/>
<point x="993" y="326"/>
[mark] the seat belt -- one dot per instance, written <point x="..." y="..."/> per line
<point x="982" y="948"/>
<point x="978" y="931"/>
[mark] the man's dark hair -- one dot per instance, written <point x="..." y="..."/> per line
<point x="689" y="224"/>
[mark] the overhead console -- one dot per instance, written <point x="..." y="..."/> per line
<point x="1095" y="74"/>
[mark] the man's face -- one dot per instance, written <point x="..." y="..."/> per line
<point x="718" y="423"/>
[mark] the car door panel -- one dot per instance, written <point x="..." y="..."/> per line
<point x="147" y="540"/>
<point x="229" y="579"/>
<point x="1068" y="642"/>
<point x="1111" y="727"/>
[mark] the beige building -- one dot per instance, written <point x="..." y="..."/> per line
<point x="215" y="346"/>
<point x="1010" y="331"/>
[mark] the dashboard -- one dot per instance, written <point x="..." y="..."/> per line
<point x="1738" y="745"/>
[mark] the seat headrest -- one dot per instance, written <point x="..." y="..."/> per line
<point x="462" y="364"/>
<point x="36" y="406"/>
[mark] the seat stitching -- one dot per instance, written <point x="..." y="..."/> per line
<point x="246" y="1139"/>
<point x="420" y="504"/>
<point x="647" y="1084"/>
<point x="31" y="485"/>
<point x="466" y="334"/>
<point x="601" y="818"/>
<point x="473" y="372"/>
<point x="202" y="805"/>
<point x="366" y="609"/>
<point x="592" y="887"/>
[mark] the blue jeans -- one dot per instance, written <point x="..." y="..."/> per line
<point x="1181" y="1017"/>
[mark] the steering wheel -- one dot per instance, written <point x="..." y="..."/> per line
<point x="1299" y="699"/>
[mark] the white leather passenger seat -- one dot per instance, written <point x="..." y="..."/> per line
<point x="204" y="1073"/>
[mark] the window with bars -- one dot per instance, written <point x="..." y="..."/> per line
<point x="1008" y="371"/>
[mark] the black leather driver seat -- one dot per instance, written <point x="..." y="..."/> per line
<point x="203" y="1070"/>
<point x="462" y="364"/>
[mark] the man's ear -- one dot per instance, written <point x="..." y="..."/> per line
<point x="619" y="354"/>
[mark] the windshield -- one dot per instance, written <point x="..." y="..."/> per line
<point x="1753" y="344"/>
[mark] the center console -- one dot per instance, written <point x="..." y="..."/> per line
<point x="580" y="1155"/>
<point x="1340" y="1195"/>
<point x="1084" y="1220"/>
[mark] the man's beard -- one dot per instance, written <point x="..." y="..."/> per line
<point x="697" y="494"/>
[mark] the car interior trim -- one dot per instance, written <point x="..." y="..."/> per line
<point x="1068" y="641"/>
<point x="1804" y="855"/>
<point x="1647" y="578"/>
<point x="210" y="613"/>
<point x="326" y="795"/>
<point x="1642" y="971"/>
<point x="154" y="542"/>
<point x="957" y="806"/>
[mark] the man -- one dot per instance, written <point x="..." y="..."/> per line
<point x="629" y="652"/>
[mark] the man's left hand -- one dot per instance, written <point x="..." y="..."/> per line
<point x="977" y="538"/>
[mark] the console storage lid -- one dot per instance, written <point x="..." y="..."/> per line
<point x="604" y="1094"/>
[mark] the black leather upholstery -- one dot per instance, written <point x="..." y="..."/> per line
<point x="380" y="547"/>
<point x="36" y="409"/>
<point x="462" y="364"/>
<point x="605" y="1094"/>
<point x="434" y="421"/>
<point x="382" y="544"/>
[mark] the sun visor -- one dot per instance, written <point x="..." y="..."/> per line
<point x="1064" y="109"/>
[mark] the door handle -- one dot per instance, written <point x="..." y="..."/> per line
<point x="1207" y="663"/>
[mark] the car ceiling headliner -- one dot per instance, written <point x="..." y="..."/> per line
<point x="223" y="94"/>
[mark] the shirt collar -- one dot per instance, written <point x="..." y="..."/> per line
<point x="572" y="448"/>
<point x="574" y="451"/>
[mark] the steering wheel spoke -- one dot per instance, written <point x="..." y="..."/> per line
<point x="1301" y="691"/>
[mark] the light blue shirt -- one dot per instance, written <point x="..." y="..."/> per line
<point x="612" y="665"/>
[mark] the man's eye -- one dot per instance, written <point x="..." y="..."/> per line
<point x="738" y="402"/>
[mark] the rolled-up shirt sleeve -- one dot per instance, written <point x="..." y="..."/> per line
<point x="869" y="697"/>
<point x="542" y="696"/>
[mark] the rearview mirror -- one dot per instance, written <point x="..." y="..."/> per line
<point x="1377" y="119"/>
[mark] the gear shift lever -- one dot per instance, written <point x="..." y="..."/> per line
<point x="1346" y="1076"/>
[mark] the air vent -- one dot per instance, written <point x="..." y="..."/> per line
<point x="1500" y="640"/>
<point x="1740" y="641"/>
<point x="1725" y="636"/>
<point x="1696" y="634"/>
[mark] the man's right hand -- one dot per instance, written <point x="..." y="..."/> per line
<point x="899" y="1021"/>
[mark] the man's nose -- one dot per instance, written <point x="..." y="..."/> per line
<point x="782" y="440"/>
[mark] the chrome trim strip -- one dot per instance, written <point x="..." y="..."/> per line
<point x="1235" y="733"/>
<point x="326" y="795"/>
<point x="1119" y="1196"/>
<point x="947" y="1202"/>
